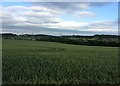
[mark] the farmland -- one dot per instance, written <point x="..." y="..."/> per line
<point x="42" y="62"/>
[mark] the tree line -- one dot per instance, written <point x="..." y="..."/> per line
<point x="96" y="40"/>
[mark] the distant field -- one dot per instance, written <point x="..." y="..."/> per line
<point x="39" y="62"/>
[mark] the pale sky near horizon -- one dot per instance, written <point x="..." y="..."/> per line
<point x="60" y="18"/>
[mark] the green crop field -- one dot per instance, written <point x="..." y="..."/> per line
<point x="39" y="62"/>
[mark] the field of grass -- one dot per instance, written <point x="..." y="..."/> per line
<point x="39" y="62"/>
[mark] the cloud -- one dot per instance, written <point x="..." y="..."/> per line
<point x="48" y="18"/>
<point x="29" y="14"/>
<point x="60" y="1"/>
<point x="73" y="8"/>
<point x="71" y="5"/>
<point x="67" y="25"/>
<point x="84" y="14"/>
<point x="103" y="26"/>
<point x="63" y="7"/>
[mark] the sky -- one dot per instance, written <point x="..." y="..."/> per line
<point x="60" y="18"/>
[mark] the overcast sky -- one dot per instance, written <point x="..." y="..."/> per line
<point x="60" y="18"/>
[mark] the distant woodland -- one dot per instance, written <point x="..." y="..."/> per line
<point x="96" y="40"/>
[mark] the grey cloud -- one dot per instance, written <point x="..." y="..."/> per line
<point x="52" y="31"/>
<point x="71" y="5"/>
<point x="83" y="14"/>
<point x="63" y="6"/>
<point x="98" y="4"/>
<point x="104" y="23"/>
<point x="60" y="0"/>
<point x="49" y="31"/>
<point x="30" y="21"/>
<point x="103" y="26"/>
